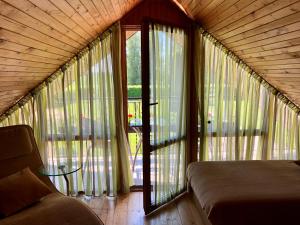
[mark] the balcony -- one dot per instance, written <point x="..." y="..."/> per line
<point x="135" y="138"/>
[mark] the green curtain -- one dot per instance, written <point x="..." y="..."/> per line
<point x="78" y="120"/>
<point x="240" y="115"/>
<point x="168" y="91"/>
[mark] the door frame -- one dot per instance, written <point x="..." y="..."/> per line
<point x="191" y="128"/>
<point x="146" y="116"/>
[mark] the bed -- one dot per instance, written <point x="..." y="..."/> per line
<point x="247" y="192"/>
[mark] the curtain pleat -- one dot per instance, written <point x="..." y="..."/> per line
<point x="78" y="120"/>
<point x="239" y="117"/>
<point x="168" y="76"/>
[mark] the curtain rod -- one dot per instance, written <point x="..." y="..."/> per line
<point x="26" y="98"/>
<point x="252" y="72"/>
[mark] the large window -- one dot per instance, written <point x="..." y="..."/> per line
<point x="240" y="117"/>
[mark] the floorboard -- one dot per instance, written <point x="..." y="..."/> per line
<point x="128" y="209"/>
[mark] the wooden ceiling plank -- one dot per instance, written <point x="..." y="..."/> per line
<point x="291" y="80"/>
<point x="240" y="14"/>
<point x="6" y="102"/>
<point x="10" y="93"/>
<point x="8" y="45"/>
<point x="65" y="7"/>
<point x="28" y="57"/>
<point x="21" y="84"/>
<point x="275" y="45"/>
<point x="37" y="13"/>
<point x="230" y="12"/>
<point x="227" y="30"/>
<point x="287" y="11"/>
<point x="267" y="41"/>
<point x="17" y="62"/>
<point x="4" y="106"/>
<point x="206" y="10"/>
<point x="194" y="5"/>
<point x="16" y="27"/>
<point x="11" y="96"/>
<point x="275" y="62"/>
<point x="8" y="68"/>
<point x="22" y="40"/>
<point x="15" y="88"/>
<point x="17" y="15"/>
<point x="225" y="5"/>
<point x="291" y="55"/>
<point x="110" y="10"/>
<point x="116" y="6"/>
<point x="279" y="67"/>
<point x="12" y="74"/>
<point x="20" y="78"/>
<point x="274" y="52"/>
<point x="274" y="33"/>
<point x="94" y="12"/>
<point x="279" y="75"/>
<point x="126" y="5"/>
<point x="284" y="71"/>
<point x="14" y="93"/>
<point x="101" y="8"/>
<point x="60" y="17"/>
<point x="281" y="86"/>
<point x="85" y="14"/>
<point x="265" y="27"/>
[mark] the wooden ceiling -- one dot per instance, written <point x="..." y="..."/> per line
<point x="38" y="36"/>
<point x="264" y="33"/>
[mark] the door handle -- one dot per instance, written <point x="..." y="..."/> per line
<point x="154" y="103"/>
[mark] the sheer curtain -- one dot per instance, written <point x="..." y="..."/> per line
<point x="77" y="119"/>
<point x="168" y="83"/>
<point x="285" y="133"/>
<point x="241" y="116"/>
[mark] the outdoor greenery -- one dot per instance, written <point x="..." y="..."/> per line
<point x="133" y="55"/>
<point x="134" y="87"/>
<point x="133" y="141"/>
<point x="134" y="91"/>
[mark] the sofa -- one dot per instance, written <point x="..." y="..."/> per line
<point x="18" y="150"/>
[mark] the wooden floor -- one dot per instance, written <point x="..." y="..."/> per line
<point x="128" y="209"/>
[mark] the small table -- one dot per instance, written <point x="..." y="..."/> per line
<point x="60" y="170"/>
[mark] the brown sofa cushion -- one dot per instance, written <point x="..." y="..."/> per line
<point x="54" y="209"/>
<point x="20" y="190"/>
<point x="15" y="142"/>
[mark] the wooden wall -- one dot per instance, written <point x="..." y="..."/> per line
<point x="164" y="11"/>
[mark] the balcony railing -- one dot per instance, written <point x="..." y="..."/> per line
<point x="135" y="138"/>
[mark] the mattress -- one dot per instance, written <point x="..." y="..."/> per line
<point x="247" y="192"/>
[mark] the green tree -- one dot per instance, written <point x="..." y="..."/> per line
<point x="133" y="55"/>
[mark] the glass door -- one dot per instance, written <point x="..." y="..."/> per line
<point x="165" y="94"/>
<point x="134" y="104"/>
